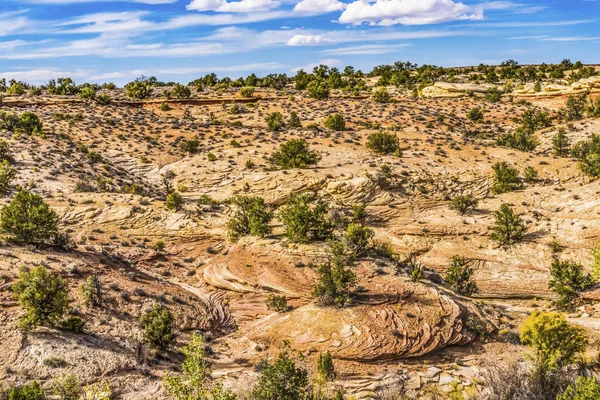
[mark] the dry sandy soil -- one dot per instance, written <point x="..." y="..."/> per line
<point x="395" y="328"/>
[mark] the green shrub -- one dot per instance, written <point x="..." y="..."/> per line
<point x="27" y="219"/>
<point x="478" y="326"/>
<point x="73" y="324"/>
<point x="8" y="173"/>
<point x="141" y="88"/>
<point x="68" y="388"/>
<point x="561" y="143"/>
<point x="464" y="203"/>
<point x="251" y="218"/>
<point x="506" y="178"/>
<point x="317" y="90"/>
<point x="281" y="380"/>
<point x="181" y="92"/>
<point x="583" y="389"/>
<point x="381" y="96"/>
<point x="357" y="239"/>
<point x="174" y="201"/>
<point x="508" y="227"/>
<point x="158" y="327"/>
<point x="459" y="276"/>
<point x="294" y="120"/>
<point x="334" y="284"/>
<point x="530" y="174"/>
<point x="556" y="343"/>
<point x="277" y="303"/>
<point x="91" y="291"/>
<point x="275" y="121"/>
<point x="304" y="217"/>
<point x="593" y="108"/>
<point x="532" y="120"/>
<point x="588" y="154"/>
<point x="567" y="281"/>
<point x="192" y="383"/>
<point x="247" y="91"/>
<point x="9" y="121"/>
<point x="493" y="95"/>
<point x="30" y="391"/>
<point x="383" y="143"/>
<point x="43" y="295"/>
<point x="190" y="146"/>
<point x="103" y="99"/>
<point x="29" y="124"/>
<point x="475" y="114"/>
<point x="5" y="151"/>
<point x="325" y="367"/>
<point x="575" y="108"/>
<point x="522" y="139"/>
<point x="335" y="122"/>
<point x="294" y="153"/>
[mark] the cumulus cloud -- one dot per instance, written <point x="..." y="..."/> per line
<point x="233" y="6"/>
<point x="319" y="6"/>
<point x="408" y="12"/>
<point x="307" y="40"/>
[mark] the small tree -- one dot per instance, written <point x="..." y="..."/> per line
<point x="294" y="120"/>
<point x="318" y="89"/>
<point x="464" y="203"/>
<point x="506" y="178"/>
<point x="567" y="281"/>
<point x="30" y="391"/>
<point x="335" y="122"/>
<point x="475" y="114"/>
<point x="43" y="295"/>
<point x="251" y="218"/>
<point x="294" y="153"/>
<point x="508" y="228"/>
<point x="556" y="343"/>
<point x="281" y="380"/>
<point x="28" y="219"/>
<point x="247" y="91"/>
<point x="192" y="385"/>
<point x="561" y="143"/>
<point x="575" y="108"/>
<point x="158" y="327"/>
<point x="277" y="303"/>
<point x="357" y="239"/>
<point x="141" y="88"/>
<point x="304" y="217"/>
<point x="92" y="291"/>
<point x="383" y="143"/>
<point x="174" y="201"/>
<point x="7" y="174"/>
<point x="334" y="284"/>
<point x="9" y="121"/>
<point x="4" y="148"/>
<point x="493" y="95"/>
<point x="381" y="96"/>
<point x="29" y="124"/>
<point x="325" y="367"/>
<point x="582" y="389"/>
<point x="275" y="121"/>
<point x="181" y="92"/>
<point x="459" y="276"/>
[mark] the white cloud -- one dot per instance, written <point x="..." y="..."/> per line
<point x="242" y="6"/>
<point x="330" y="62"/>
<point x="319" y="6"/>
<point x="367" y="49"/>
<point x="42" y="74"/>
<point x="97" y="1"/>
<point x="408" y="12"/>
<point x="307" y="40"/>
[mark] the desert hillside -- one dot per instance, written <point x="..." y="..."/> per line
<point x="405" y="222"/>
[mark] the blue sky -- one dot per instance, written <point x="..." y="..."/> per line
<point x="180" y="40"/>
